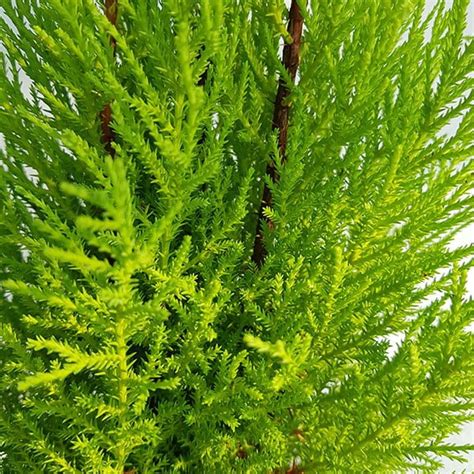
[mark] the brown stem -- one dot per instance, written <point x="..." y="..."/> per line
<point x="294" y="469"/>
<point x="110" y="10"/>
<point x="108" y="136"/>
<point x="291" y="59"/>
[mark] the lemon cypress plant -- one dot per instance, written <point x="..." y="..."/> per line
<point x="216" y="216"/>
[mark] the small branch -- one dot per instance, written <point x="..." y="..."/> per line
<point x="110" y="10"/>
<point x="108" y="136"/>
<point x="291" y="59"/>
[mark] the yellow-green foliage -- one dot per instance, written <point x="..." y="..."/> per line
<point x="137" y="333"/>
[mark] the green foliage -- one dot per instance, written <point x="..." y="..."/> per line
<point x="135" y="330"/>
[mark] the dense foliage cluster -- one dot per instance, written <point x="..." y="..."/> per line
<point x="138" y="332"/>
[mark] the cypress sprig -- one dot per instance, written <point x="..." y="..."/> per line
<point x="227" y="236"/>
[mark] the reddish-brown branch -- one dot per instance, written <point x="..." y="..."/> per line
<point x="294" y="469"/>
<point x="291" y="59"/>
<point x="110" y="10"/>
